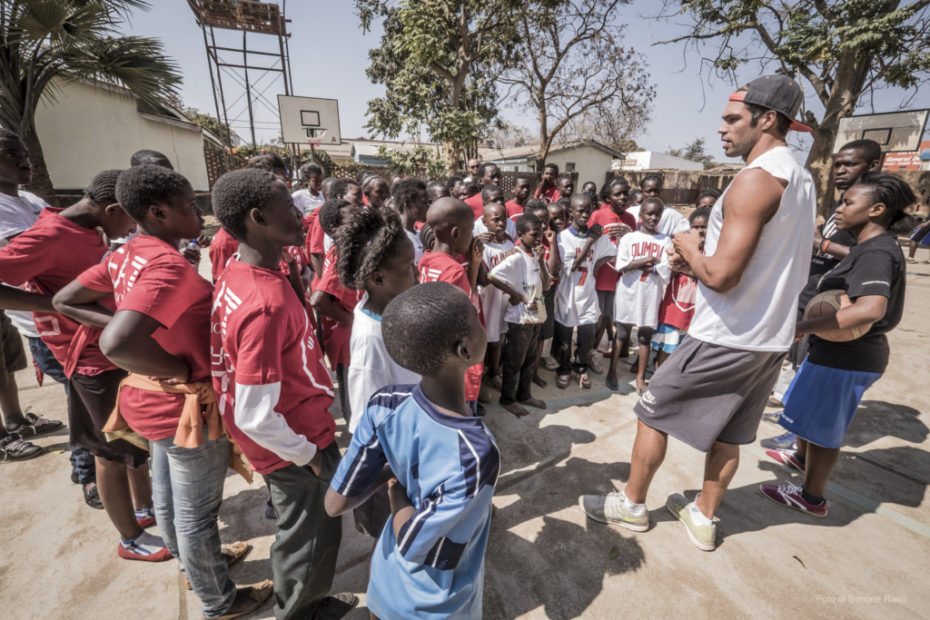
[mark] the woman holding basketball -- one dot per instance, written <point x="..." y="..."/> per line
<point x="848" y="347"/>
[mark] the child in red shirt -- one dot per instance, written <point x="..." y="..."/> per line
<point x="274" y="390"/>
<point x="521" y="191"/>
<point x="451" y="223"/>
<point x="615" y="222"/>
<point x="36" y="258"/>
<point x="335" y="303"/>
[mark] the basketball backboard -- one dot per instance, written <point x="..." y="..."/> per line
<point x="894" y="131"/>
<point x="309" y="118"/>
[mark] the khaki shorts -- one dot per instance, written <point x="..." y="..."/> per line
<point x="705" y="393"/>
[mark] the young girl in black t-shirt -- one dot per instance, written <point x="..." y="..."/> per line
<point x="824" y="396"/>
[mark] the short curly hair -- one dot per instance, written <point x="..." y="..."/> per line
<point x="330" y="218"/>
<point x="525" y="222"/>
<point x="140" y="187"/>
<point x="102" y="188"/>
<point x="238" y="192"/>
<point x="339" y="187"/>
<point x="423" y="325"/>
<point x="267" y="161"/>
<point x="367" y="239"/>
<point x="405" y="191"/>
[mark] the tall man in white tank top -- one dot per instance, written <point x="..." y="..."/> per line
<point x="712" y="391"/>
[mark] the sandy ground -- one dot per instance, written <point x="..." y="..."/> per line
<point x="869" y="558"/>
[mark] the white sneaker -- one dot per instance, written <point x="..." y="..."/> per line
<point x="611" y="508"/>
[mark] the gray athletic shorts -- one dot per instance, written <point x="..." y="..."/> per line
<point x="705" y="393"/>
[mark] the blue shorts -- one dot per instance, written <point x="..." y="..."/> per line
<point x="667" y="338"/>
<point x="820" y="403"/>
<point x="922" y="238"/>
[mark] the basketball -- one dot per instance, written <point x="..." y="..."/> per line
<point x="827" y="303"/>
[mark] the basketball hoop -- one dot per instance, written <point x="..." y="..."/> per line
<point x="314" y="142"/>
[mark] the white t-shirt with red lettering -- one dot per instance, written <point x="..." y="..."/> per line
<point x="576" y="297"/>
<point x="261" y="337"/>
<point x="493" y="300"/>
<point x="639" y="293"/>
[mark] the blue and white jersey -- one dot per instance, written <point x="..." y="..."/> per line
<point x="449" y="466"/>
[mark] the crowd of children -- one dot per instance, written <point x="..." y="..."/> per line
<point x="421" y="300"/>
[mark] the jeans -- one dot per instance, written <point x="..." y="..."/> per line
<point x="562" y="348"/>
<point x="519" y="362"/>
<point x="187" y="487"/>
<point x="82" y="462"/>
<point x="306" y="546"/>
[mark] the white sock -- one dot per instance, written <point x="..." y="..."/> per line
<point x="697" y="516"/>
<point x="632" y="507"/>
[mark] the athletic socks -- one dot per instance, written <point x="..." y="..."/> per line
<point x="811" y="499"/>
<point x="632" y="507"/>
<point x="697" y="517"/>
<point x="146" y="547"/>
<point x="145" y="517"/>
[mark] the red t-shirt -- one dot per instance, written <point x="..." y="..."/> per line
<point x="550" y="195"/>
<point x="476" y="204"/>
<point x="514" y="209"/>
<point x="677" y="306"/>
<point x="336" y="336"/>
<point x="151" y="277"/>
<point x="222" y="249"/>
<point x="316" y="237"/>
<point x="46" y="257"/>
<point x="439" y="267"/>
<point x="606" y="277"/>
<point x="260" y="334"/>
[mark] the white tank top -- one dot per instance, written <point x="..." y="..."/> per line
<point x="760" y="312"/>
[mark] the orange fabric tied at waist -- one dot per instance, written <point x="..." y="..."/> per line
<point x="200" y="408"/>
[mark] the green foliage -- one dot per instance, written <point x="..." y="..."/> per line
<point x="423" y="161"/>
<point x="438" y="60"/>
<point x="694" y="151"/>
<point x="210" y="123"/>
<point x="46" y="40"/>
<point x="576" y="75"/>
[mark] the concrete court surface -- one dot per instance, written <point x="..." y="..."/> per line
<point x="869" y="558"/>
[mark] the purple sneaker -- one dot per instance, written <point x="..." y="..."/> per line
<point x="785" y="441"/>
<point x="786" y="457"/>
<point x="790" y="495"/>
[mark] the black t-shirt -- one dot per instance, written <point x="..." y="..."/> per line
<point x="875" y="267"/>
<point x="822" y="262"/>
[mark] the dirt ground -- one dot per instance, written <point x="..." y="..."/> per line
<point x="869" y="558"/>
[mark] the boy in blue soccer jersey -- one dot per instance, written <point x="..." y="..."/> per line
<point x="429" y="560"/>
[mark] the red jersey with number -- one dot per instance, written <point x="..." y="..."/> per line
<point x="439" y="267"/>
<point x="259" y="335"/>
<point x="150" y="276"/>
<point x="45" y="258"/>
<point x="607" y="276"/>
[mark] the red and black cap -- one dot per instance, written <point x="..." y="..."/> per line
<point x="775" y="92"/>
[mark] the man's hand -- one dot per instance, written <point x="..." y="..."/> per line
<point x="192" y="255"/>
<point x="550" y="237"/>
<point x="687" y="244"/>
<point x="595" y="232"/>
<point x="477" y="249"/>
<point x="485" y="237"/>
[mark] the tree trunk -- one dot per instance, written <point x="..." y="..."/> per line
<point x="850" y="77"/>
<point x="41" y="183"/>
<point x="453" y="153"/>
<point x="543" y="151"/>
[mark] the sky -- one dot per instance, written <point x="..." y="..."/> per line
<point x="329" y="54"/>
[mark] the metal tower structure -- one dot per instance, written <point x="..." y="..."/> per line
<point x="241" y="74"/>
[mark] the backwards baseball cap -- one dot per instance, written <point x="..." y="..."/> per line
<point x="775" y="92"/>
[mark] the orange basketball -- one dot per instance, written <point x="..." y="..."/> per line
<point x="826" y="303"/>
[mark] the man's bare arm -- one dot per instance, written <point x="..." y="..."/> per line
<point x="748" y="206"/>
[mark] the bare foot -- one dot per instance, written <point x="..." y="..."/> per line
<point x="612" y="381"/>
<point x="540" y="381"/>
<point x="516" y="409"/>
<point x="534" y="402"/>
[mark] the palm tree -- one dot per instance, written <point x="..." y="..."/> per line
<point x="45" y="41"/>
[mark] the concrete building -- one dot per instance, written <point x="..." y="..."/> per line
<point x="591" y="160"/>
<point x="654" y="160"/>
<point x="91" y="126"/>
